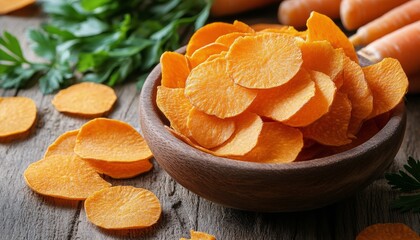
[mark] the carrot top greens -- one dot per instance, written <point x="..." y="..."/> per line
<point x="102" y="41"/>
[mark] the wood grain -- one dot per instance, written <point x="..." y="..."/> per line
<point x="26" y="215"/>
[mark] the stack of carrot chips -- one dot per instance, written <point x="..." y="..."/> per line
<point x="71" y="168"/>
<point x="275" y="95"/>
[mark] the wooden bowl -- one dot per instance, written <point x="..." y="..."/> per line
<point x="268" y="187"/>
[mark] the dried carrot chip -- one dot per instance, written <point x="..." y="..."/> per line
<point x="123" y="207"/>
<point x="175" y="106"/>
<point x="277" y="143"/>
<point x="243" y="27"/>
<point x="63" y="176"/>
<point x="245" y="137"/>
<point x="286" y="30"/>
<point x="121" y="170"/>
<point x="262" y="26"/>
<point x="210" y="89"/>
<point x="388" y="84"/>
<point x="317" y="106"/>
<point x="17" y="117"/>
<point x="187" y="140"/>
<point x="321" y="27"/>
<point x="215" y="56"/>
<point x="10" y="6"/>
<point x="175" y="69"/>
<point x="207" y="130"/>
<point x="203" y="53"/>
<point x="264" y="61"/>
<point x="387" y="231"/>
<point x="281" y="103"/>
<point x="196" y="235"/>
<point x="209" y="33"/>
<point x="331" y="129"/>
<point x="63" y="145"/>
<point x="111" y="140"/>
<point x="229" y="38"/>
<point x="358" y="92"/>
<point x="322" y="57"/>
<point x="85" y="99"/>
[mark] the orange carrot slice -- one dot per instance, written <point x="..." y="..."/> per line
<point x="387" y="231"/>
<point x="264" y="61"/>
<point x="175" y="106"/>
<point x="17" y="118"/>
<point x="277" y="143"/>
<point x="318" y="105"/>
<point x="8" y="6"/>
<point x="245" y="137"/>
<point x="359" y="94"/>
<point x="320" y="27"/>
<point x="123" y="207"/>
<point x="175" y="69"/>
<point x="196" y="235"/>
<point x="388" y="84"/>
<point x="243" y="27"/>
<point x="210" y="89"/>
<point x="203" y="53"/>
<point x="121" y="170"/>
<point x="85" y="99"/>
<point x="63" y="176"/>
<point x="324" y="132"/>
<point x="281" y="103"/>
<point x="63" y="145"/>
<point x="111" y="141"/>
<point x="229" y="38"/>
<point x="262" y="26"/>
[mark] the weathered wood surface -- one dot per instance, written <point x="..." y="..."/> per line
<point x="27" y="215"/>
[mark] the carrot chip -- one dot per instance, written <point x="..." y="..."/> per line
<point x="175" y="69"/>
<point x="196" y="235"/>
<point x="85" y="99"/>
<point x="63" y="145"/>
<point x="63" y="176"/>
<point x="111" y="140"/>
<point x="229" y="38"/>
<point x="17" y="117"/>
<point x="264" y="61"/>
<point x="203" y="53"/>
<point x="388" y="84"/>
<point x="121" y="170"/>
<point x="387" y="231"/>
<point x="123" y="207"/>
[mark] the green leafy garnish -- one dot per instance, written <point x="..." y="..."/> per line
<point x="104" y="41"/>
<point x="407" y="182"/>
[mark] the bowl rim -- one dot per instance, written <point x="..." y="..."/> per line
<point x="148" y="96"/>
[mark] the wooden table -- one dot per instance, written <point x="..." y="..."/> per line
<point x="27" y="215"/>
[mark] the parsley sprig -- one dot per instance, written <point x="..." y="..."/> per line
<point x="407" y="181"/>
<point x="104" y="41"/>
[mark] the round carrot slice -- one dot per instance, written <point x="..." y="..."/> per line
<point x="229" y="38"/>
<point x="112" y="141"/>
<point x="322" y="57"/>
<point x="85" y="99"/>
<point x="358" y="92"/>
<point x="245" y="137"/>
<point x="388" y="84"/>
<point x="195" y="235"/>
<point x="281" y="103"/>
<point x="123" y="207"/>
<point x="175" y="106"/>
<point x="63" y="145"/>
<point x="121" y="170"/>
<point x="207" y="130"/>
<point x="17" y="117"/>
<point x="63" y="176"/>
<point x="202" y="54"/>
<point x="317" y="106"/>
<point x="387" y="231"/>
<point x="243" y="27"/>
<point x="264" y="61"/>
<point x="175" y="69"/>
<point x="277" y="143"/>
<point x="321" y="27"/>
<point x="211" y="90"/>
<point x="187" y="140"/>
<point x="262" y="26"/>
<point x="209" y="33"/>
<point x="331" y="129"/>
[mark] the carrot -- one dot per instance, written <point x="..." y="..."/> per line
<point x="228" y="7"/>
<point x="402" y="44"/>
<point x="397" y="18"/>
<point x="356" y="13"/>
<point x="295" y="12"/>
<point x="7" y="6"/>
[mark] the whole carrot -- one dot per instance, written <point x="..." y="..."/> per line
<point x="402" y="44"/>
<point x="228" y="7"/>
<point x="397" y="18"/>
<point x="296" y="12"/>
<point x="356" y="13"/>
